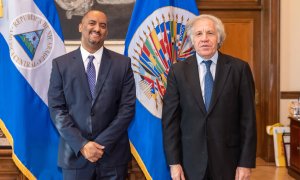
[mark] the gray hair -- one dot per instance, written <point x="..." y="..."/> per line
<point x="217" y="23"/>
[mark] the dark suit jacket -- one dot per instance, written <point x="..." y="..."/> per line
<point x="80" y="119"/>
<point x="225" y="136"/>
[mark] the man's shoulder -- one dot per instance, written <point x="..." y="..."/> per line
<point x="67" y="56"/>
<point x="187" y="61"/>
<point x="115" y="55"/>
<point x="232" y="60"/>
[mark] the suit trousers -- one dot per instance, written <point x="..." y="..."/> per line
<point x="208" y="175"/>
<point x="94" y="171"/>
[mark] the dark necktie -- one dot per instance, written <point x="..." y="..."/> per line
<point x="208" y="84"/>
<point x="91" y="74"/>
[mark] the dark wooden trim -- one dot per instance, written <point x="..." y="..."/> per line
<point x="293" y="173"/>
<point x="231" y="8"/>
<point x="289" y="94"/>
<point x="270" y="89"/>
<point x="229" y="5"/>
<point x="5" y="152"/>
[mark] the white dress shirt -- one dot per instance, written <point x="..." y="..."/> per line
<point x="202" y="69"/>
<point x="96" y="61"/>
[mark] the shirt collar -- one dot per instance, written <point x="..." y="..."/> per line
<point x="214" y="58"/>
<point x="97" y="54"/>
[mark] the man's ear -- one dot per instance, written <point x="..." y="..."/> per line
<point x="80" y="27"/>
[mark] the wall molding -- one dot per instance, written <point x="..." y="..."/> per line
<point x="289" y="94"/>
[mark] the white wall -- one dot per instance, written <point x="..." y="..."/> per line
<point x="289" y="52"/>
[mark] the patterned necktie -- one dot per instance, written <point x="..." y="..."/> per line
<point x="91" y="74"/>
<point x="208" y="84"/>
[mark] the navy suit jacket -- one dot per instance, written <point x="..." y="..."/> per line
<point x="79" y="119"/>
<point x="223" y="137"/>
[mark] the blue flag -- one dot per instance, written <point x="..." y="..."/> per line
<point x="30" y="37"/>
<point x="156" y="38"/>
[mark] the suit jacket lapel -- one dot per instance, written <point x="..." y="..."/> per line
<point x="192" y="74"/>
<point x="103" y="71"/>
<point x="82" y="74"/>
<point x="222" y="71"/>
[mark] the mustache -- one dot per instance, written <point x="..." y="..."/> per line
<point x="205" y="45"/>
<point x="94" y="31"/>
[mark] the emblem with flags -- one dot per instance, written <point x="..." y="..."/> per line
<point x="30" y="37"/>
<point x="156" y="38"/>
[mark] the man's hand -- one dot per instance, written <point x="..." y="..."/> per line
<point x="177" y="172"/>
<point x="92" y="151"/>
<point x="242" y="173"/>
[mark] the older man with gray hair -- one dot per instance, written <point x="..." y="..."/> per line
<point x="209" y="123"/>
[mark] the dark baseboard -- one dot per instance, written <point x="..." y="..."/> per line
<point x="289" y="94"/>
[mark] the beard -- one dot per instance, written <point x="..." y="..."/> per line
<point x="96" y="42"/>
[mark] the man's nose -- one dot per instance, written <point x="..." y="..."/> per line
<point x="204" y="38"/>
<point x="97" y="27"/>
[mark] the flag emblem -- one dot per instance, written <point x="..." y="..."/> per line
<point x="30" y="40"/>
<point x="158" y="42"/>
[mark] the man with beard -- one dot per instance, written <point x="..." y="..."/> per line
<point x="92" y="101"/>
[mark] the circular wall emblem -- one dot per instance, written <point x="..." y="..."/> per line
<point x="159" y="41"/>
<point x="30" y="40"/>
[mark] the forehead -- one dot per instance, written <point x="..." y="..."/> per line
<point x="95" y="16"/>
<point x="204" y="23"/>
